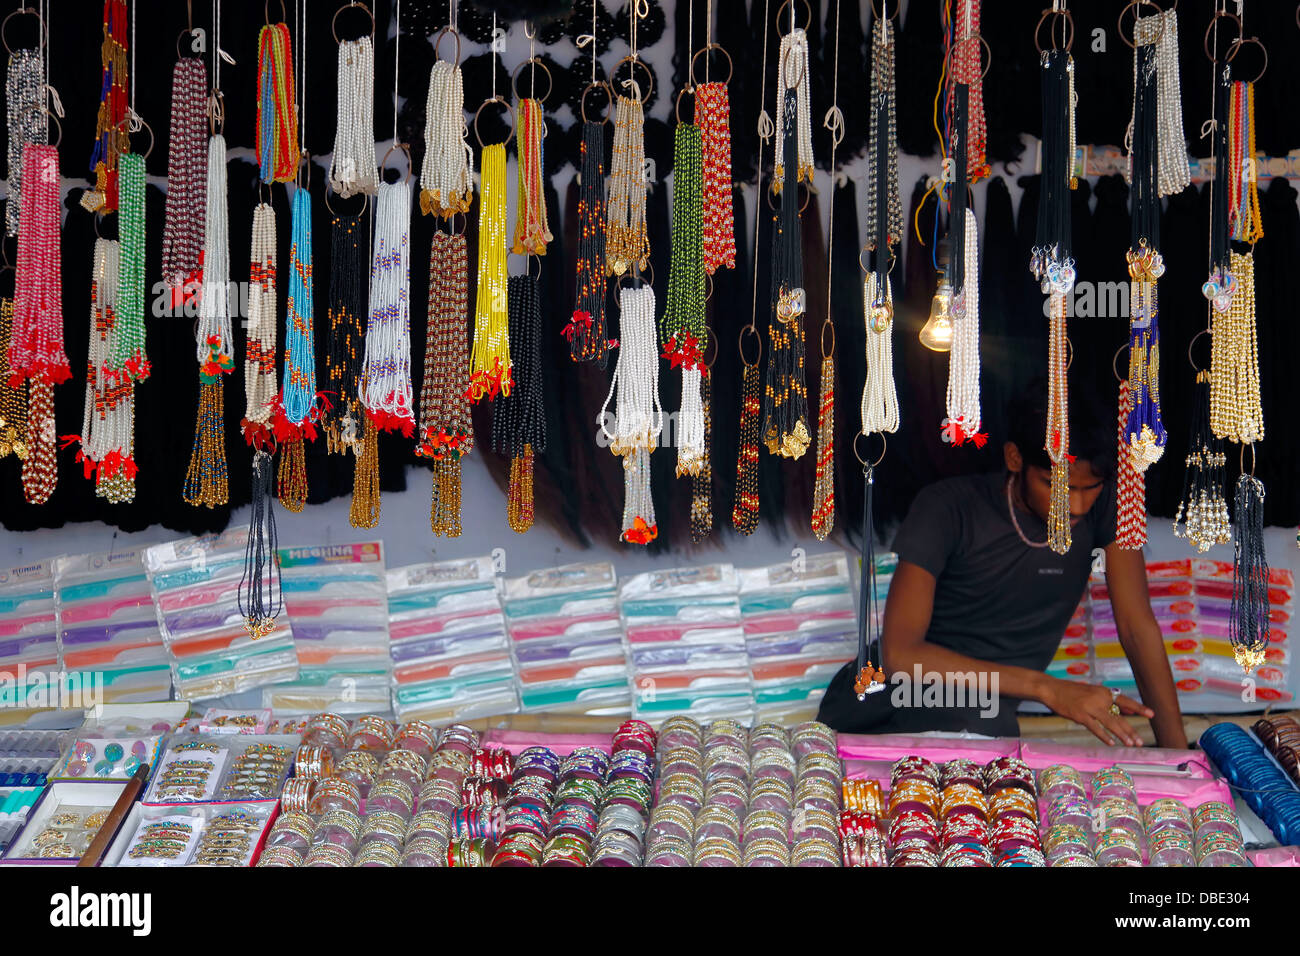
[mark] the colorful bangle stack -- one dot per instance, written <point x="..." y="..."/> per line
<point x="819" y="778"/>
<point x="418" y="737"/>
<point x="371" y="732"/>
<point x="326" y="730"/>
<point x="292" y="832"/>
<point x="1067" y="817"/>
<point x="359" y="768"/>
<point x="1169" y="833"/>
<point x="1117" y="821"/>
<point x="1013" y="813"/>
<point x="313" y="761"/>
<point x="1218" y="838"/>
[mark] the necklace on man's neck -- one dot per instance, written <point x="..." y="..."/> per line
<point x="1011" y="510"/>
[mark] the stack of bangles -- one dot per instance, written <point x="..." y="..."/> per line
<point x="486" y="776"/>
<point x="571" y="831"/>
<point x="862" y="839"/>
<point x="818" y="780"/>
<point x="526" y="813"/>
<point x="1068" y="818"/>
<point x="669" y="837"/>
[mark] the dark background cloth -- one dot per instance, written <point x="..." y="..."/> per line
<point x="1014" y="340"/>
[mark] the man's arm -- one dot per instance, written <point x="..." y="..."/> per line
<point x="1139" y="634"/>
<point x="907" y="620"/>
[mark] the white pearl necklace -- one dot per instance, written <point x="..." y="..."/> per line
<point x="106" y="423"/>
<point x="793" y="71"/>
<point x="445" y="180"/>
<point x="638" y="418"/>
<point x="353" y="168"/>
<point x="260" y="349"/>
<point x="964" y="359"/>
<point x="386" y="375"/>
<point x="1173" y="172"/>
<point x="689" y="430"/>
<point x="214" y="304"/>
<point x="879" y="394"/>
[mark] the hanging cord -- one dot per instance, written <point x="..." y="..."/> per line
<point x="823" y="505"/>
<point x="260" y="596"/>
<point x="744" y="512"/>
<point x="871" y="679"/>
<point x="1248" y="627"/>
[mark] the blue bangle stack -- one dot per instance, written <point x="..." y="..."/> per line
<point x="1267" y="790"/>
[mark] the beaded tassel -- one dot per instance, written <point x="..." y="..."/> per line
<point x="531" y="230"/>
<point x="206" y="482"/>
<point x="13" y="398"/>
<point x="713" y="117"/>
<point x="682" y="332"/>
<point x="1243" y="200"/>
<point x="1202" y="516"/>
<point x="347" y="305"/>
<point x="626" y="241"/>
<point x="112" y="111"/>
<point x="364" y="512"/>
<point x="278" y="152"/>
<point x="446" y="186"/>
<point x="490" y="366"/>
<point x="129" y="344"/>
<point x="260" y="347"/>
<point x="1248" y="627"/>
<point x="291" y="478"/>
<point x="1236" y="411"/>
<point x="260" y="595"/>
<point x="446" y="431"/>
<point x="702" y="482"/>
<point x="744" y="515"/>
<point x="353" y="168"/>
<point x="1130" y="495"/>
<point x="1057" y="441"/>
<point x="40" y="470"/>
<point x="27" y="122"/>
<point x="187" y="175"/>
<point x="785" y="406"/>
<point x="519" y="419"/>
<point x="586" y="330"/>
<point x="823" y="512"/>
<point x="638" y="418"/>
<point x="386" y="376"/>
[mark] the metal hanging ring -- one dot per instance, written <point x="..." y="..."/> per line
<point x="98" y="218"/>
<point x="442" y="33"/>
<point x="1220" y="15"/>
<point x="781" y="9"/>
<point x="383" y="163"/>
<point x="709" y="339"/>
<point x="708" y="280"/>
<point x="1068" y="18"/>
<point x="1236" y="46"/>
<point x="334" y="24"/>
<point x="365" y="200"/>
<point x="266" y="11"/>
<point x="879" y="14"/>
<point x="884" y="443"/>
<point x="216" y="112"/>
<point x="528" y="266"/>
<point x="451" y="224"/>
<point x="1114" y="362"/>
<point x="550" y="82"/>
<point x="4" y="25"/>
<point x="893" y="260"/>
<point x="740" y="345"/>
<point x="1070" y="348"/>
<point x="677" y="107"/>
<point x="181" y="53"/>
<point x="771" y="191"/>
<point x="828" y="325"/>
<point x="609" y="95"/>
<point x="983" y="42"/>
<point x="803" y="67"/>
<point x="1241" y="458"/>
<point x="304" y="158"/>
<point x="269" y="193"/>
<point x="509" y="109"/>
<point x="1189" y="349"/>
<point x="636" y="61"/>
<point x="48" y="112"/>
<point x="731" y="67"/>
<point x="1119" y="21"/>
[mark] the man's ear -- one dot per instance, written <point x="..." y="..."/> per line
<point x="1011" y="455"/>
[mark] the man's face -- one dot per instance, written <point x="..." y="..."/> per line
<point x="1085" y="489"/>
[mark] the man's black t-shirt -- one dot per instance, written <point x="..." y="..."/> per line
<point x="996" y="598"/>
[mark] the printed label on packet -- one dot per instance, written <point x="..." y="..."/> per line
<point x="368" y="552"/>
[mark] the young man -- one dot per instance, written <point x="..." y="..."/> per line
<point x="977" y="590"/>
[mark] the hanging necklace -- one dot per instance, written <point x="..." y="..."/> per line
<point x="112" y="111"/>
<point x="352" y="167"/>
<point x="446" y="186"/>
<point x="386" y="374"/>
<point x="206" y="481"/>
<point x="27" y="120"/>
<point x="277" y="120"/>
<point x="586" y="332"/>
<point x="682" y="332"/>
<point x="532" y="232"/>
<point x="260" y="347"/>
<point x="1131" y="511"/>
<point x="1159" y="33"/>
<point x="446" y="431"/>
<point x="1202" y="515"/>
<point x="785" y="406"/>
<point x="518" y="419"/>
<point x="638" y="416"/>
<point x="187" y="174"/>
<point x="347" y="304"/>
<point x="104" y="402"/>
<point x="702" y="482"/>
<point x="794" y="128"/>
<point x="13" y="398"/>
<point x="626" y="241"/>
<point x="1248" y="627"/>
<point x="713" y="117"/>
<point x="299" y="406"/>
<point x="490" y="366"/>
<point x="36" y="353"/>
<point x="964" y="51"/>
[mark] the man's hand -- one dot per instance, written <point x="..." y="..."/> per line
<point x="1089" y="705"/>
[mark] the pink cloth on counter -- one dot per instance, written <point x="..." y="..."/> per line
<point x="1043" y="753"/>
<point x="1275" y="856"/>
<point x="890" y="747"/>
